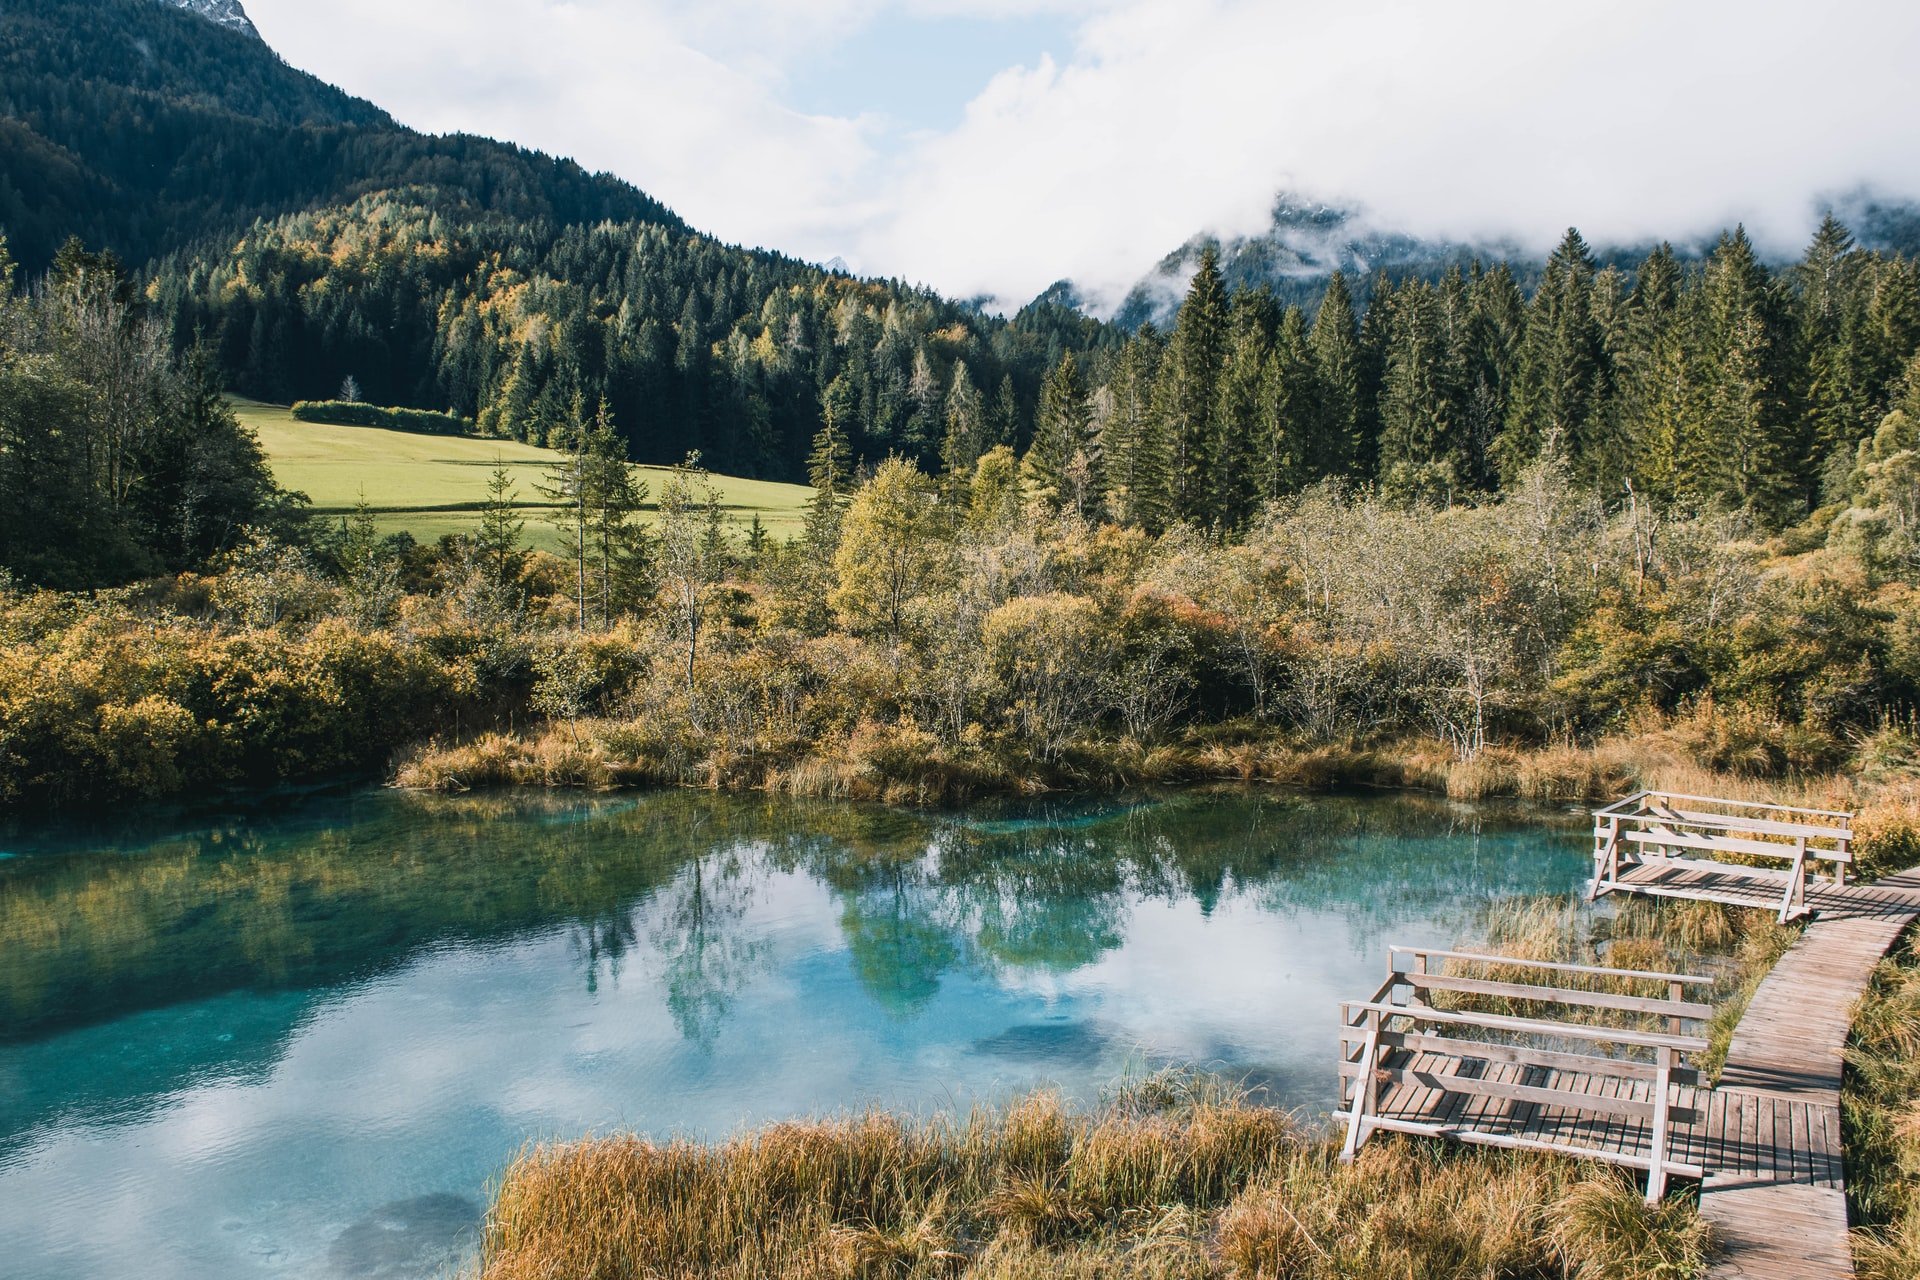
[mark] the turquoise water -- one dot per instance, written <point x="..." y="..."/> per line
<point x="303" y="1040"/>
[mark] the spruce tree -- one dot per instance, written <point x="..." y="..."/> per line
<point x="966" y="427"/>
<point x="497" y="543"/>
<point x="1416" y="458"/>
<point x="1188" y="390"/>
<point x="1335" y="446"/>
<point x="1134" y="447"/>
<point x="1751" y="449"/>
<point x="1061" y="465"/>
<point x="1561" y="402"/>
<point x="830" y="462"/>
<point x="1290" y="401"/>
<point x="1236" y="453"/>
<point x="1496" y="325"/>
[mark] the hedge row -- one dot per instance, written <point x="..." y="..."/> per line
<point x="349" y="413"/>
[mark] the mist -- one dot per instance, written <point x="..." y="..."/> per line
<point x="1489" y="120"/>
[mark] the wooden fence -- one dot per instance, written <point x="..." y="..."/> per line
<point x="1417" y="1057"/>
<point x="1666" y="844"/>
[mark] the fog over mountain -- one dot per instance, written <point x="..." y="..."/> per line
<point x="1306" y="241"/>
<point x="1111" y="131"/>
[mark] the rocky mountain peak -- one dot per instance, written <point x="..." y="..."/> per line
<point x="225" y="13"/>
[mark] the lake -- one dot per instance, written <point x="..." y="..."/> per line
<point x="305" y="1038"/>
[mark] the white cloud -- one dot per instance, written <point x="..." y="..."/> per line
<point x="1495" y="117"/>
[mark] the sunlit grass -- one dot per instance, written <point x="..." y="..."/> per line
<point x="430" y="485"/>
<point x="1162" y="1182"/>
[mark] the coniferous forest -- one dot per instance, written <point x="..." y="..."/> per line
<point x="1319" y="524"/>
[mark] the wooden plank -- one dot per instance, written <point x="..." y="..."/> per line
<point x="1757" y="826"/>
<point x="1391" y="1124"/>
<point x="1657" y="1005"/>
<point x="1539" y="1027"/>
<point x="1554" y="966"/>
<point x="1728" y="844"/>
<point x="1447" y="1078"/>
<point x="1747" y="804"/>
<point x="1555" y="1060"/>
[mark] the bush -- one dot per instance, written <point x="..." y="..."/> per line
<point x="351" y="413"/>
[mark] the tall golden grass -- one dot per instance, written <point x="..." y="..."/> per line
<point x="1880" y="1119"/>
<point x="1161" y="1184"/>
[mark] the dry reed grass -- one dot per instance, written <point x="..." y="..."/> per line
<point x="1880" y="1118"/>
<point x="1171" y="1180"/>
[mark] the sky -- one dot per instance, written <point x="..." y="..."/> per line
<point x="992" y="147"/>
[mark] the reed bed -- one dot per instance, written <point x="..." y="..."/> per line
<point x="1880" y="1117"/>
<point x="1175" y="1177"/>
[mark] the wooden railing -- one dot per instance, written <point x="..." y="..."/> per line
<point x="1384" y="1035"/>
<point x="1665" y="828"/>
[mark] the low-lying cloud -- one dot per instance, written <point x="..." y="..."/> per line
<point x="1495" y="119"/>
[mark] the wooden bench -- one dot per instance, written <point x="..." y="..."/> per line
<point x="1665" y="844"/>
<point x="1507" y="1080"/>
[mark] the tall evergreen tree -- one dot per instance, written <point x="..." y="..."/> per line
<point x="1565" y="377"/>
<point x="1751" y="449"/>
<point x="1290" y="402"/>
<point x="1139" y="488"/>
<point x="1335" y="447"/>
<point x="1188" y="390"/>
<point x="1061" y="465"/>
<point x="1236" y="452"/>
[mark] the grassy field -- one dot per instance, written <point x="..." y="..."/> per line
<point x="434" y="485"/>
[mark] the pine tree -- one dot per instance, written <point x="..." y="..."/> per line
<point x="1236" y="453"/>
<point x="1062" y="466"/>
<point x="497" y="543"/>
<point x="1335" y="447"/>
<point x="1750" y="450"/>
<point x="1561" y="400"/>
<point x="966" y="427"/>
<point x="1188" y="390"/>
<point x="1138" y="487"/>
<point x="1290" y="401"/>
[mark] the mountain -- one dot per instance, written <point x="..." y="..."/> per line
<point x="1307" y="241"/>
<point x="224" y="13"/>
<point x="306" y="237"/>
<point x="145" y="127"/>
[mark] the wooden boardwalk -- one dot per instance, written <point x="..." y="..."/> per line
<point x="1765" y="1142"/>
<point x="1773" y="1219"/>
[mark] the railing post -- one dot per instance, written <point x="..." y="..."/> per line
<point x="1606" y="857"/>
<point x="1657" y="1157"/>
<point x="1362" y="1089"/>
<point x="1796" y="883"/>
<point x="1676" y="1025"/>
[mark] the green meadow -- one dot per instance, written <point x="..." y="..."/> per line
<point x="430" y="485"/>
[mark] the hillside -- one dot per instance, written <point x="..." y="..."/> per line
<point x="144" y="128"/>
<point x="430" y="486"/>
<point x="308" y="237"/>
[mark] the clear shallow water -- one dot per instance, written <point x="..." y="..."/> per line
<point x="303" y="1041"/>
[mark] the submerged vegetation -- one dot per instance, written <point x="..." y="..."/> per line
<point x="1173" y="1179"/>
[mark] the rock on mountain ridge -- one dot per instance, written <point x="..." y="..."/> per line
<point x="224" y="13"/>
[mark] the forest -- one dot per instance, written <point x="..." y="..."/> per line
<point x="1406" y="545"/>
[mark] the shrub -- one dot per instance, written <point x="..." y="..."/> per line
<point x="352" y="413"/>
